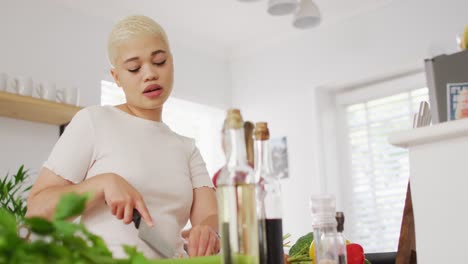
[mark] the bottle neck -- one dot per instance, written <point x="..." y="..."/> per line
<point x="268" y="185"/>
<point x="263" y="162"/>
<point x="236" y="153"/>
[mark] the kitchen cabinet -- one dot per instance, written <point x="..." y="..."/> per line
<point x="438" y="176"/>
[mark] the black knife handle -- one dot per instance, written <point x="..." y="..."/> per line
<point x="136" y="218"/>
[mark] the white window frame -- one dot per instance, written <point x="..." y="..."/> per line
<point x="332" y="143"/>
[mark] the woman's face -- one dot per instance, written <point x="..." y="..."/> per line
<point x="144" y="70"/>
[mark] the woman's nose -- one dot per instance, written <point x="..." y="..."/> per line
<point x="150" y="73"/>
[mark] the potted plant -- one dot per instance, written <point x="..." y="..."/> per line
<point x="12" y="192"/>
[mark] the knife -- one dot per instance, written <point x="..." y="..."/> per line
<point x="152" y="237"/>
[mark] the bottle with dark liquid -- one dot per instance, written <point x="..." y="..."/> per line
<point x="238" y="224"/>
<point x="268" y="199"/>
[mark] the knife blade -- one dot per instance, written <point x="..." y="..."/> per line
<point x="152" y="237"/>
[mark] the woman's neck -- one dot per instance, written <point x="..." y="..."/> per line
<point x="150" y="114"/>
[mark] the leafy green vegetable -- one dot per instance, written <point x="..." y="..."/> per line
<point x="57" y="241"/>
<point x="302" y="245"/>
<point x="135" y="256"/>
<point x="65" y="228"/>
<point x="70" y="205"/>
<point x="7" y="222"/>
<point x="40" y="226"/>
<point x="299" y="252"/>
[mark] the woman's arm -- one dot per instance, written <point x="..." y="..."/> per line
<point x="204" y="208"/>
<point x="49" y="187"/>
<point x="203" y="237"/>
<point x="119" y="195"/>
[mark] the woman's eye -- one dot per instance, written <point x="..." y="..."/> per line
<point x="134" y="70"/>
<point x="159" y="63"/>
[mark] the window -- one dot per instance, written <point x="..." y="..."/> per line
<point x="378" y="172"/>
<point x="201" y="122"/>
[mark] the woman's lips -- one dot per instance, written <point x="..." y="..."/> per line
<point x="153" y="91"/>
<point x="153" y="94"/>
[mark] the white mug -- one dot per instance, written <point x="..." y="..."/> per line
<point x="21" y="85"/>
<point x="68" y="95"/>
<point x="47" y="91"/>
<point x="3" y="81"/>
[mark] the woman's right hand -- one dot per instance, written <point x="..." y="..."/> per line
<point x="122" y="197"/>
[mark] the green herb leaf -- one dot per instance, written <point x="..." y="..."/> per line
<point x="70" y="205"/>
<point x="135" y="257"/>
<point x="7" y="222"/>
<point x="98" y="244"/>
<point x="66" y="228"/>
<point x="11" y="192"/>
<point x="95" y="258"/>
<point x="302" y="245"/>
<point x="60" y="252"/>
<point x="75" y="243"/>
<point x="40" y="225"/>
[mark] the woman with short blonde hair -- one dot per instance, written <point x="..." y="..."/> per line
<point x="129" y="159"/>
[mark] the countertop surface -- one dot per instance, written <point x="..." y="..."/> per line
<point x="423" y="135"/>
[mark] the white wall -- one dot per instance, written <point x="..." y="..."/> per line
<point x="48" y="41"/>
<point x="275" y="80"/>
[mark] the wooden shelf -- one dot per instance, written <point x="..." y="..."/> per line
<point x="36" y="110"/>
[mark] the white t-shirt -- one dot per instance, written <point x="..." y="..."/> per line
<point x="162" y="165"/>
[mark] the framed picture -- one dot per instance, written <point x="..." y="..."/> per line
<point x="279" y="155"/>
<point x="457" y="101"/>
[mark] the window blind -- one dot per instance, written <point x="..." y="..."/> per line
<point x="379" y="172"/>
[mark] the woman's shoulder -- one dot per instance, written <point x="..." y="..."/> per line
<point x="96" y="111"/>
<point x="187" y="141"/>
<point x="92" y="115"/>
<point x="90" y="110"/>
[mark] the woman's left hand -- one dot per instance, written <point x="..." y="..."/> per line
<point x="202" y="241"/>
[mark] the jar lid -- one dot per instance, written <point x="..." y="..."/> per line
<point x="323" y="208"/>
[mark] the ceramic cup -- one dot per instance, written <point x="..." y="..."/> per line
<point x="68" y="95"/>
<point x="21" y="85"/>
<point x="3" y="81"/>
<point x="47" y="91"/>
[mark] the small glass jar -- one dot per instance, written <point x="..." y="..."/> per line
<point x="325" y="229"/>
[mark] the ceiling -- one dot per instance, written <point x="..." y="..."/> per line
<point x="226" y="24"/>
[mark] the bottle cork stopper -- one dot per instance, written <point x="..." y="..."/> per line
<point x="234" y="119"/>
<point x="261" y="131"/>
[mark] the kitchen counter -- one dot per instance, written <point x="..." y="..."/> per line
<point x="439" y="181"/>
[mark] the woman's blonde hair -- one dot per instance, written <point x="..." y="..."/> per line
<point x="131" y="27"/>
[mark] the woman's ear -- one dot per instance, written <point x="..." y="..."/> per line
<point x="115" y="76"/>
